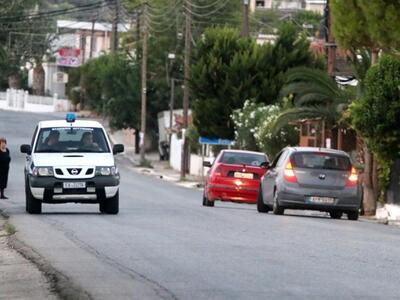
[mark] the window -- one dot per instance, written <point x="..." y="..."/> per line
<point x="319" y="160"/>
<point x="238" y="158"/>
<point x="260" y="3"/>
<point x="71" y="139"/>
<point x="277" y="159"/>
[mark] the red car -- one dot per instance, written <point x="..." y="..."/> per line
<point x="234" y="176"/>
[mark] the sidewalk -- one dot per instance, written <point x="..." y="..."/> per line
<point x="19" y="278"/>
<point x="156" y="168"/>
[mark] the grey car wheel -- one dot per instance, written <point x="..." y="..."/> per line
<point x="276" y="208"/>
<point x="336" y="214"/>
<point x="352" y="215"/>
<point x="261" y="207"/>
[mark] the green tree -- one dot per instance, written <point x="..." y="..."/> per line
<point x="376" y="116"/>
<point x="24" y="40"/>
<point x="228" y="69"/>
<point x="220" y="79"/>
<point x="110" y="85"/>
<point x="367" y="24"/>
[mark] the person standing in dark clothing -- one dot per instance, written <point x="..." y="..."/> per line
<point x="4" y="166"/>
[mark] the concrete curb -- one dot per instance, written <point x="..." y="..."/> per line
<point x="62" y="286"/>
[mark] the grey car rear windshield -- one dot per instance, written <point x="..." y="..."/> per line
<point x="237" y="158"/>
<point x="319" y="160"/>
<point x="71" y="139"/>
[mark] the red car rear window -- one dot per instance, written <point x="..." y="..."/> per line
<point x="250" y="159"/>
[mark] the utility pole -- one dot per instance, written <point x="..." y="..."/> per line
<point x="245" y="29"/>
<point x="331" y="45"/>
<point x="331" y="58"/>
<point x="188" y="50"/>
<point x="92" y="38"/>
<point x="114" y="29"/>
<point x="171" y="112"/>
<point x="144" y="86"/>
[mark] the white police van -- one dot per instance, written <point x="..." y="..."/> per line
<point x="71" y="161"/>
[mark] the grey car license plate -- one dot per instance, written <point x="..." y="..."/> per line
<point x="74" y="185"/>
<point x="321" y="200"/>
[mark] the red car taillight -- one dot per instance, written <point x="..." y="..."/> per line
<point x="217" y="173"/>
<point x="352" y="180"/>
<point x="289" y="174"/>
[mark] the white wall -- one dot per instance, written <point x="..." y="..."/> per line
<point x="20" y="100"/>
<point x="176" y="152"/>
<point x="196" y="161"/>
<point x="50" y="86"/>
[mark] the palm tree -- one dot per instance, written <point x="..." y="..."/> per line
<point x="313" y="95"/>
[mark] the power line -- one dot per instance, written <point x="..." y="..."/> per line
<point x="196" y="6"/>
<point x="205" y="15"/>
<point x="54" y="13"/>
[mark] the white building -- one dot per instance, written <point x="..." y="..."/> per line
<point x="311" y="5"/>
<point x="72" y="48"/>
<point x="315" y="5"/>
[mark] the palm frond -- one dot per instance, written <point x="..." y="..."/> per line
<point x="300" y="113"/>
<point x="318" y="77"/>
<point x="300" y="89"/>
<point x="312" y="98"/>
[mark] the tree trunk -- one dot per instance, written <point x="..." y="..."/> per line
<point x="14" y="81"/>
<point x="370" y="185"/>
<point x="369" y="195"/>
<point x="38" y="80"/>
<point x="375" y="180"/>
<point x="374" y="56"/>
<point x="393" y="192"/>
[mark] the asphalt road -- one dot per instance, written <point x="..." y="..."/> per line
<point x="164" y="244"/>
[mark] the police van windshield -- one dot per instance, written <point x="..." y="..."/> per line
<point x="71" y="139"/>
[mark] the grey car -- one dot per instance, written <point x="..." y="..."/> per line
<point x="311" y="178"/>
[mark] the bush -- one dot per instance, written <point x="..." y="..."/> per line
<point x="254" y="125"/>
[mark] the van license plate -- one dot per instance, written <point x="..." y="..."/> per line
<point x="321" y="200"/>
<point x="74" y="185"/>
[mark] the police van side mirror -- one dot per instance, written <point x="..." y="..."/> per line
<point x="26" y="149"/>
<point x="118" y="148"/>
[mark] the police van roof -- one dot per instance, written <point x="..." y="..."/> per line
<point x="64" y="123"/>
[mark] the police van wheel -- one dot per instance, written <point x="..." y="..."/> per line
<point x="102" y="205"/>
<point x="110" y="205"/>
<point x="33" y="206"/>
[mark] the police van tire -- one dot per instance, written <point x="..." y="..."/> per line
<point x="102" y="205"/>
<point x="111" y="205"/>
<point x="33" y="205"/>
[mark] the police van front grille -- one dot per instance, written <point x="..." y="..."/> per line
<point x="74" y="171"/>
<point x="59" y="172"/>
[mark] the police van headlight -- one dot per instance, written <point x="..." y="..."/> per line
<point x="106" y="171"/>
<point x="43" y="171"/>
